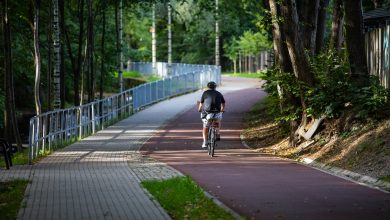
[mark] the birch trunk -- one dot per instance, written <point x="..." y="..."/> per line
<point x="56" y="56"/>
<point x="154" y="39"/>
<point x="169" y="37"/>
<point x="37" y="58"/>
<point x="217" y="61"/>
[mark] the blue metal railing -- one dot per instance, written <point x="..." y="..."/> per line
<point x="62" y="127"/>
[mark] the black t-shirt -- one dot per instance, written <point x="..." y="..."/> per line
<point x="212" y="100"/>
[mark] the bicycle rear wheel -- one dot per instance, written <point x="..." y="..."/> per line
<point x="212" y="141"/>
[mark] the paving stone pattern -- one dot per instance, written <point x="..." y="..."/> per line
<point x="99" y="177"/>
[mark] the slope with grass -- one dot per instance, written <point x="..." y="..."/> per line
<point x="360" y="146"/>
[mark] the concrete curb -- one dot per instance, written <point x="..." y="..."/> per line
<point x="223" y="206"/>
<point x="348" y="175"/>
<point x="360" y="179"/>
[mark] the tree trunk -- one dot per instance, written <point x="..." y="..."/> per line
<point x="154" y="39"/>
<point x="62" y="66"/>
<point x="90" y="51"/>
<point x="50" y="58"/>
<point x="282" y="59"/>
<point x="102" y="69"/>
<point x="283" y="62"/>
<point x="355" y="38"/>
<point x="118" y="30"/>
<point x="337" y="26"/>
<point x="77" y="73"/>
<point x="10" y="122"/>
<point x="57" y="56"/>
<point x="169" y="37"/>
<point x="321" y="25"/>
<point x="295" y="47"/>
<point x="310" y="23"/>
<point x="37" y="58"/>
<point x="239" y="62"/>
<point x="217" y="61"/>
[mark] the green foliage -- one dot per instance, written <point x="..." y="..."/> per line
<point x="11" y="196"/>
<point x="332" y="83"/>
<point x="275" y="80"/>
<point x="252" y="43"/>
<point x="385" y="178"/>
<point x="336" y="90"/>
<point x="183" y="199"/>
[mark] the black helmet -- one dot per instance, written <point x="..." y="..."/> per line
<point x="211" y="85"/>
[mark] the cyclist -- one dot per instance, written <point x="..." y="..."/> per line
<point x="211" y="106"/>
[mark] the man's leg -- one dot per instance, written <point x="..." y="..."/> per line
<point x="205" y="134"/>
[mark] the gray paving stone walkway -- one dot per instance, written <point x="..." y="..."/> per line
<point x="99" y="177"/>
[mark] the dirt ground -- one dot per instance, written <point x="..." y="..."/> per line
<point x="359" y="147"/>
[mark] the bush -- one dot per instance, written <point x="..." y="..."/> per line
<point x="334" y="91"/>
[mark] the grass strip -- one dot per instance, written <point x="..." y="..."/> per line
<point x="11" y="196"/>
<point x="18" y="158"/>
<point x="182" y="198"/>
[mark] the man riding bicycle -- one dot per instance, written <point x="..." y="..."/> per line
<point x="211" y="106"/>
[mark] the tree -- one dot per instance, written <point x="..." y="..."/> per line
<point x="299" y="61"/>
<point x="10" y="123"/>
<point x="169" y="36"/>
<point x="102" y="69"/>
<point x="355" y="38"/>
<point x="62" y="54"/>
<point x="337" y="25"/>
<point x="90" y="53"/>
<point x="232" y="50"/>
<point x="310" y="21"/>
<point x="77" y="73"/>
<point x="37" y="58"/>
<point x="217" y="62"/>
<point x="56" y="56"/>
<point x="321" y="25"/>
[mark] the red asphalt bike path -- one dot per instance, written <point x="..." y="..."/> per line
<point x="259" y="186"/>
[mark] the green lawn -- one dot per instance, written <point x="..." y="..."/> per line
<point x="183" y="199"/>
<point x="11" y="196"/>
<point x="133" y="74"/>
<point x="19" y="158"/>
<point x="245" y="75"/>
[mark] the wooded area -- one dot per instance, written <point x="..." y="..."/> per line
<point x="65" y="53"/>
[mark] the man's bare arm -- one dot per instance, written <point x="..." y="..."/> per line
<point x="200" y="106"/>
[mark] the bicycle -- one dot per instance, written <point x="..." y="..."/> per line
<point x="212" y="136"/>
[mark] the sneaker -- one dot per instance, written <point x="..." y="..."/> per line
<point x="204" y="145"/>
<point x="218" y="137"/>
